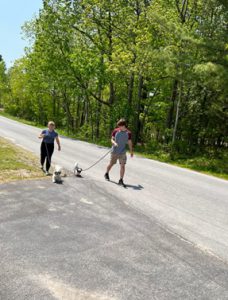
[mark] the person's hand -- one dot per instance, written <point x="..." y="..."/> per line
<point x="132" y="154"/>
<point x="59" y="148"/>
<point x="115" y="144"/>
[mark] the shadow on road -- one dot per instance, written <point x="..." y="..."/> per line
<point x="138" y="187"/>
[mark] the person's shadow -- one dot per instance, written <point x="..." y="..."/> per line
<point x="138" y="187"/>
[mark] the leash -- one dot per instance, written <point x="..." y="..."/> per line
<point x="47" y="153"/>
<point x="100" y="159"/>
<point x="77" y="170"/>
<point x="48" y="157"/>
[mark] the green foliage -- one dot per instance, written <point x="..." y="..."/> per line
<point x="3" y="82"/>
<point x="160" y="64"/>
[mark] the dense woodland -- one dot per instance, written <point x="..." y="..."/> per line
<point x="161" y="64"/>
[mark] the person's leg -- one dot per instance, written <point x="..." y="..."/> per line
<point x="106" y="175"/>
<point x="109" y="167"/>
<point x="50" y="150"/>
<point x="122" y="170"/>
<point x="123" y="161"/>
<point x="113" y="161"/>
<point x="42" y="154"/>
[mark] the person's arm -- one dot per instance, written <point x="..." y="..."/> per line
<point x="58" y="143"/>
<point x="42" y="135"/>
<point x="114" y="143"/>
<point x="130" y="144"/>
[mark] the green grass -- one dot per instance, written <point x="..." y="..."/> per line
<point x="202" y="163"/>
<point x="32" y="123"/>
<point x="207" y="164"/>
<point x="16" y="163"/>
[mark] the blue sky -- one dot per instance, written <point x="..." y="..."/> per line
<point x="13" y="14"/>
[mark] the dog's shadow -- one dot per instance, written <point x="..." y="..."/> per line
<point x="58" y="182"/>
<point x="78" y="176"/>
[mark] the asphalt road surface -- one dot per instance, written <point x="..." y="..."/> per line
<point x="163" y="237"/>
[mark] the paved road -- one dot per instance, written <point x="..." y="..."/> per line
<point x="77" y="242"/>
<point x="167" y="232"/>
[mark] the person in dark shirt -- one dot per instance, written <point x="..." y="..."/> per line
<point x="48" y="137"/>
<point x="121" y="136"/>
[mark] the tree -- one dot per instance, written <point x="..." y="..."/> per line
<point x="3" y="81"/>
<point x="160" y="64"/>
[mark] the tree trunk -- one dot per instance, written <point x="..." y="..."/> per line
<point x="169" y="121"/>
<point x="138" y="110"/>
<point x="54" y="105"/>
<point x="98" y="114"/>
<point x="66" y="107"/>
<point x="177" y="114"/>
<point x="130" y="95"/>
<point x="131" y="89"/>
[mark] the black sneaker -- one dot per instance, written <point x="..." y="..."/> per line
<point x="121" y="182"/>
<point x="106" y="176"/>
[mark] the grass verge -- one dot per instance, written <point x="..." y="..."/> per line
<point x="202" y="163"/>
<point x="17" y="163"/>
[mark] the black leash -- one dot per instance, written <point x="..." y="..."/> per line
<point x="100" y="159"/>
<point x="77" y="170"/>
<point x="48" y="157"/>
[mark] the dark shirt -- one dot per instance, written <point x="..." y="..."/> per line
<point x="50" y="136"/>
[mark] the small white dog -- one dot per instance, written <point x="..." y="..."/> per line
<point x="56" y="177"/>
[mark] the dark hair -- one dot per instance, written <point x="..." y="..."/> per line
<point x="122" y="122"/>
